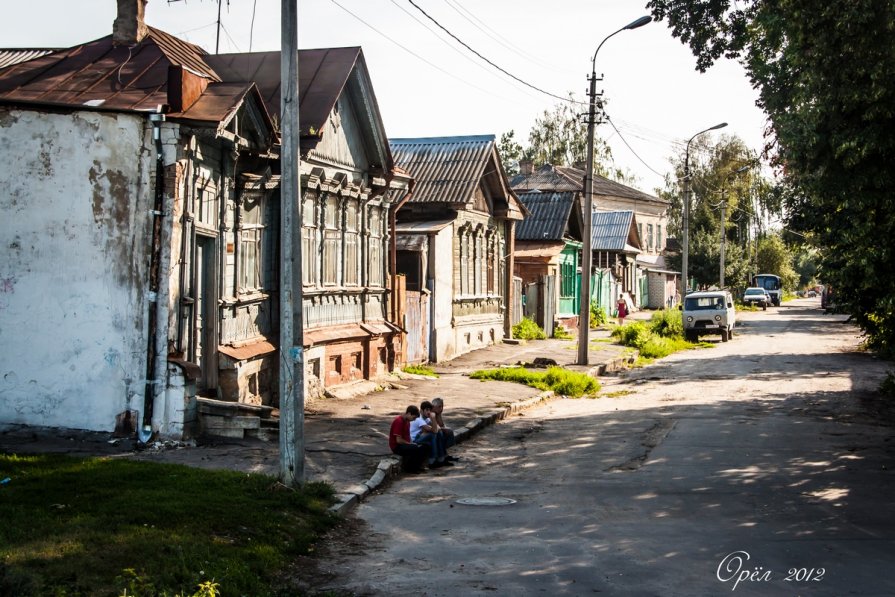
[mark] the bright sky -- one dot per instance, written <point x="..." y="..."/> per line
<point x="427" y="86"/>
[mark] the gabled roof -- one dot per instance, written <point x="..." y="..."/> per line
<point x="549" y="216"/>
<point x="614" y="231"/>
<point x="103" y="75"/>
<point x="448" y="170"/>
<point x="322" y="76"/>
<point x="564" y="178"/>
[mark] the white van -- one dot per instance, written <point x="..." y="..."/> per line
<point x="708" y="312"/>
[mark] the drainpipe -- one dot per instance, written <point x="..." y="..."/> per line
<point x="156" y="349"/>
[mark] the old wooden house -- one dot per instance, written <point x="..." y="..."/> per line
<point x="547" y="257"/>
<point x="455" y="243"/>
<point x="142" y="248"/>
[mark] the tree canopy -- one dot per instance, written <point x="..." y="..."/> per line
<point x="824" y="73"/>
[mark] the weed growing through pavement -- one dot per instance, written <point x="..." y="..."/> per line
<point x="561" y="381"/>
<point x="420" y="370"/>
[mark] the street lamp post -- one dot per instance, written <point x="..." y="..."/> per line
<point x="685" y="224"/>
<point x="587" y="251"/>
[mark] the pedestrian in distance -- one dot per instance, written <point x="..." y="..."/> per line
<point x="622" y="311"/>
<point x="424" y="431"/>
<point x="412" y="455"/>
<point x="446" y="432"/>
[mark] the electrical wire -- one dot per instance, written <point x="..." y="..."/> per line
<point x="415" y="55"/>
<point x="494" y="35"/>
<point x="501" y="69"/>
<point x="446" y="42"/>
<point x="631" y="149"/>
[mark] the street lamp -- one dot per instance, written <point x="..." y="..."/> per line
<point x="587" y="251"/>
<point x="686" y="216"/>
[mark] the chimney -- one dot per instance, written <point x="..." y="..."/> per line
<point x="129" y="28"/>
<point x="526" y="166"/>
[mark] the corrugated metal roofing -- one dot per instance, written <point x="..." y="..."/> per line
<point x="101" y="74"/>
<point x="322" y="75"/>
<point x="564" y="178"/>
<point x="548" y="218"/>
<point x="10" y="56"/>
<point x="446" y="169"/>
<point x="611" y="230"/>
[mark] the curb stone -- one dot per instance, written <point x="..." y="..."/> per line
<point x="390" y="467"/>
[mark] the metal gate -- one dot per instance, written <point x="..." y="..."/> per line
<point x="416" y="322"/>
<point x="540" y="302"/>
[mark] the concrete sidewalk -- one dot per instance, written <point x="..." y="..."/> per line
<point x="346" y="439"/>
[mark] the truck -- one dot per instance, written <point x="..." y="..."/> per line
<point x="771" y="283"/>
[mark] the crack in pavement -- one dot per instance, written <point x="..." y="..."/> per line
<point x="652" y="437"/>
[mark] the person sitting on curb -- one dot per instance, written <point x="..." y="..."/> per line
<point x="412" y="455"/>
<point x="424" y="431"/>
<point x="446" y="433"/>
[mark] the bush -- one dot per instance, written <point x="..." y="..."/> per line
<point x="527" y="329"/>
<point x="657" y="347"/>
<point x="667" y="323"/>
<point x="634" y="334"/>
<point x="597" y="315"/>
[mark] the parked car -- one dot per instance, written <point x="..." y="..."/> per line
<point x="709" y="312"/>
<point x="757" y="296"/>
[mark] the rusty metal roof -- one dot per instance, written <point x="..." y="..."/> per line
<point x="549" y="215"/>
<point x="322" y="75"/>
<point x="10" y="56"/>
<point x="102" y="75"/>
<point x="446" y="169"/>
<point x="564" y="178"/>
<point x="613" y="230"/>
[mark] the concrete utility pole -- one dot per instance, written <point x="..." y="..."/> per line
<point x="685" y="227"/>
<point x="587" y="250"/>
<point x="292" y="365"/>
<point x="723" y="239"/>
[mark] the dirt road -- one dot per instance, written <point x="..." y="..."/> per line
<point x="762" y="466"/>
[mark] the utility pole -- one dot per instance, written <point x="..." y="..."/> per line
<point x="723" y="239"/>
<point x="292" y="366"/>
<point x="587" y="250"/>
<point x="217" y="39"/>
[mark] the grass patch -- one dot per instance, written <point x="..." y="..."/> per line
<point x="618" y="394"/>
<point x="527" y="329"/>
<point x="420" y="370"/>
<point x="561" y="381"/>
<point x="98" y="526"/>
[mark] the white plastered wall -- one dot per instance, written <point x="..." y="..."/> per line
<point x="73" y="266"/>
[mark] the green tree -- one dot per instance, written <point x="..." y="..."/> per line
<point x="823" y="71"/>
<point x="774" y="257"/>
<point x="559" y="137"/>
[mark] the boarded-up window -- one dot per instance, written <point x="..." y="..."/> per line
<point x="310" y="251"/>
<point x="352" y="243"/>
<point x="332" y="237"/>
<point x="377" y="267"/>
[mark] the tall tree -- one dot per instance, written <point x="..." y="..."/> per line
<point x="559" y="137"/>
<point x="823" y="71"/>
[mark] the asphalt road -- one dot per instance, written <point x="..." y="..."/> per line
<point x="762" y="466"/>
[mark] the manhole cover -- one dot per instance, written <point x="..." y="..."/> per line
<point x="486" y="501"/>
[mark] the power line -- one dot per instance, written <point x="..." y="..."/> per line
<point x="415" y="55"/>
<point x="468" y="47"/>
<point x="497" y="37"/>
<point x="631" y="149"/>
